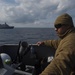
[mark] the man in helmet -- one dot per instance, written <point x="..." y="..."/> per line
<point x="64" y="59"/>
<point x="5" y="62"/>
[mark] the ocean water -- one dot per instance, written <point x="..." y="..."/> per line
<point x="30" y="35"/>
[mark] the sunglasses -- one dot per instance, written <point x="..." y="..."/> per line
<point x="58" y="26"/>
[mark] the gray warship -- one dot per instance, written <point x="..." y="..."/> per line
<point x="6" y="26"/>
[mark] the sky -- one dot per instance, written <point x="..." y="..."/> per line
<point x="34" y="13"/>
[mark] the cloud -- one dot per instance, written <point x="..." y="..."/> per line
<point x="34" y="11"/>
<point x="66" y="5"/>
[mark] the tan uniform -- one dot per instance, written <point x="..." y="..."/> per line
<point x="64" y="59"/>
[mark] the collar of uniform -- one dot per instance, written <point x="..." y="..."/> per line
<point x="66" y="33"/>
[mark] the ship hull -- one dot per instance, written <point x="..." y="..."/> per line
<point x="42" y="52"/>
<point x="6" y="27"/>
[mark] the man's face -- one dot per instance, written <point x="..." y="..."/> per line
<point x="61" y="29"/>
